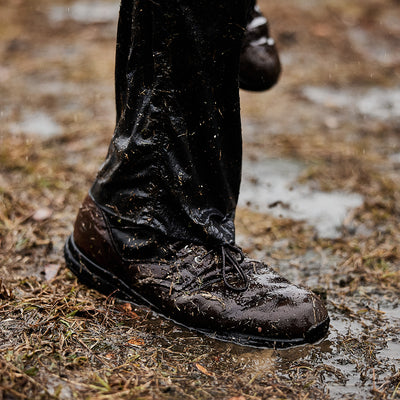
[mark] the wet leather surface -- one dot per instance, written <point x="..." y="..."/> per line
<point x="184" y="281"/>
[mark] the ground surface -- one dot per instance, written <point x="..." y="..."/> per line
<point x="332" y="122"/>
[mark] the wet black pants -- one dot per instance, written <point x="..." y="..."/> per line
<point x="174" y="164"/>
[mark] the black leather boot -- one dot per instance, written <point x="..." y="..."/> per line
<point x="213" y="289"/>
<point x="158" y="225"/>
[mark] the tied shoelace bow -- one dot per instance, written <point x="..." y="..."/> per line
<point x="229" y="260"/>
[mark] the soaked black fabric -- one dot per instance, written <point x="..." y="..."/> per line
<point x="174" y="163"/>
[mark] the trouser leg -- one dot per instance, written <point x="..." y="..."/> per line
<point x="174" y="163"/>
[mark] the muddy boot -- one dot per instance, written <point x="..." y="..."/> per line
<point x="259" y="60"/>
<point x="211" y="288"/>
<point x="157" y="227"/>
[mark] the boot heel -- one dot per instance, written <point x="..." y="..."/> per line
<point x="91" y="274"/>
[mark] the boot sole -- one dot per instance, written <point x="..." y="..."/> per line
<point x="93" y="276"/>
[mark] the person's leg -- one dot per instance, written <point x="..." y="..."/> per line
<point x="174" y="163"/>
<point x="158" y="224"/>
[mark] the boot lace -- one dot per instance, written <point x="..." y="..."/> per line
<point x="229" y="260"/>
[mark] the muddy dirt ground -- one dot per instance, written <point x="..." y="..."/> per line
<point x="320" y="202"/>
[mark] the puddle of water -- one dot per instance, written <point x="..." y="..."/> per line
<point x="381" y="103"/>
<point x="395" y="158"/>
<point x="51" y="53"/>
<point x="87" y="12"/>
<point x="391" y="21"/>
<point x="37" y="123"/>
<point x="392" y="352"/>
<point x="59" y="388"/>
<point x="341" y="353"/>
<point x="272" y="182"/>
<point x="392" y="313"/>
<point x="374" y="47"/>
<point x="329" y="97"/>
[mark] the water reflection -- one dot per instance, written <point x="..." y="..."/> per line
<point x="86" y="12"/>
<point x="378" y="102"/>
<point x="269" y="186"/>
<point x="37" y="123"/>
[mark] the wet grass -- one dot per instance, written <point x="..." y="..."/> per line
<point x="70" y="342"/>
<point x="58" y="339"/>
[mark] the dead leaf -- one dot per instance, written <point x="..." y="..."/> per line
<point x="238" y="398"/>
<point x="322" y="30"/>
<point x="42" y="214"/>
<point x="5" y="293"/>
<point x="51" y="271"/>
<point x="204" y="370"/>
<point x="136" y="342"/>
<point x="127" y="309"/>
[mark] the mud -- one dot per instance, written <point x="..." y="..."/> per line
<point x="330" y="128"/>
